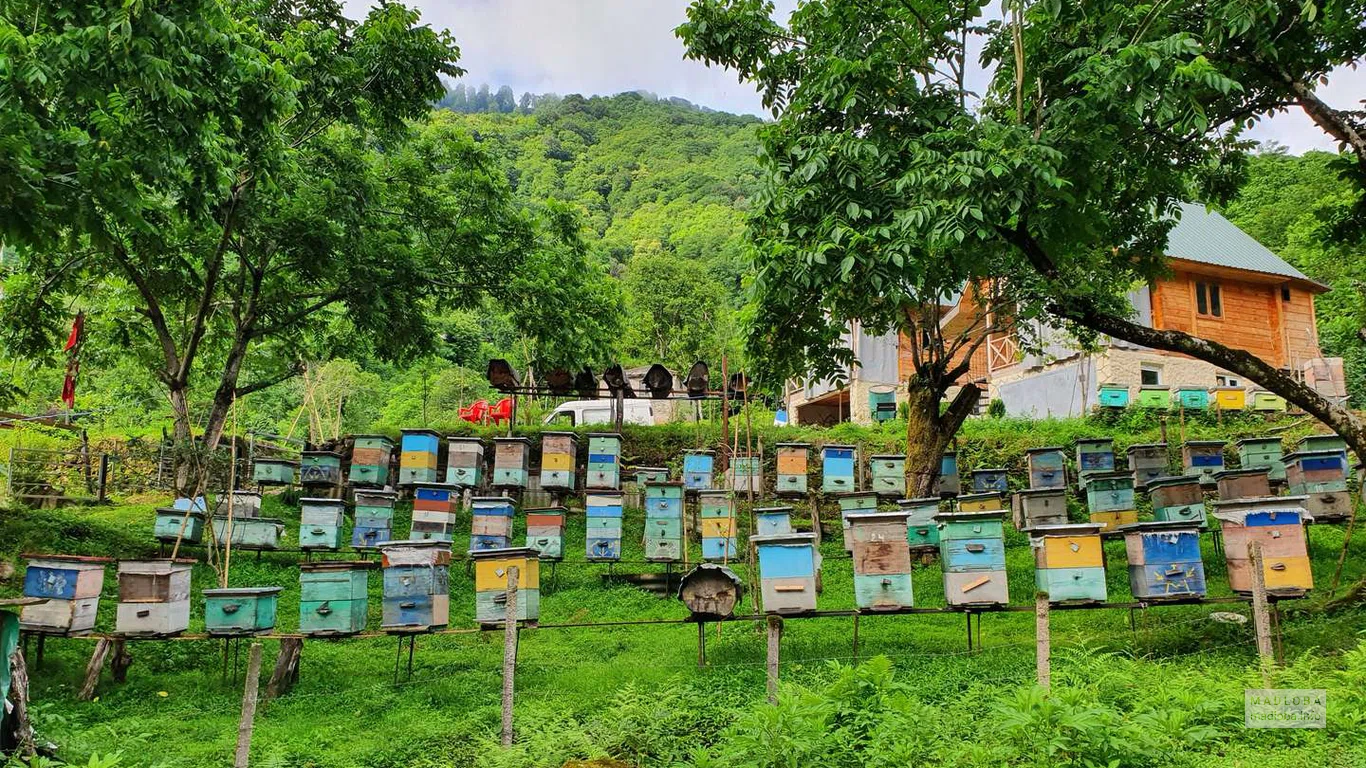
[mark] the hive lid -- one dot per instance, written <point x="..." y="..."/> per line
<point x="391" y="495"/>
<point x="552" y="433"/>
<point x="286" y="462"/>
<point x="500" y="500"/>
<point x="784" y="538"/>
<point x="1145" y="446"/>
<point x="1243" y="472"/>
<point x="887" y="456"/>
<point x="325" y="566"/>
<point x="1043" y="491"/>
<point x="405" y="544"/>
<point x="1096" y="441"/>
<point x="1152" y="526"/>
<point x="70" y="558"/>
<point x="1261" y="502"/>
<point x="545" y="510"/>
<point x="951" y="517"/>
<point x="950" y="453"/>
<point x="371" y="437"/>
<point x="1163" y="482"/>
<point x="991" y="469"/>
<point x="701" y="451"/>
<point x="616" y="435"/>
<point x="1064" y="529"/>
<point x="440" y="486"/>
<point x="322" y="501"/>
<point x="420" y="431"/>
<point x="514" y="439"/>
<point x="1091" y="477"/>
<point x="713" y="492"/>
<point x="1291" y="458"/>
<point x="870" y="516"/>
<point x="1045" y="449"/>
<point x="778" y="510"/>
<point x="1257" y="440"/>
<point x="242" y="591"/>
<point x="918" y="502"/>
<point x="1224" y="388"/>
<point x="20" y="602"/>
<point x="792" y="445"/>
<point x="333" y="454"/>
<point x="198" y="513"/>
<point x="251" y="520"/>
<point x="1205" y="443"/>
<point x="981" y="496"/>
<point x="839" y="445"/>
<point x="604" y="492"/>
<point x="856" y="495"/>
<point x="704" y="569"/>
<point x="504" y="553"/>
<point x="479" y="440"/>
<point x="1155" y="387"/>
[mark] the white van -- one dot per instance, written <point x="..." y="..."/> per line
<point x="579" y="412"/>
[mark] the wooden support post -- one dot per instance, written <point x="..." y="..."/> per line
<point x="1042" y="640"/>
<point x="248" y="721"/>
<point x="94" y="668"/>
<point x="121" y="662"/>
<point x="856" y="638"/>
<point x="701" y="644"/>
<point x="23" y="729"/>
<point x="103" y="490"/>
<point x="775" y="636"/>
<point x="286" y="672"/>
<point x="1261" y="617"/>
<point x="509" y="653"/>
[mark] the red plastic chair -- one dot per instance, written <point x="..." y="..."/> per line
<point x="501" y="411"/>
<point x="476" y="413"/>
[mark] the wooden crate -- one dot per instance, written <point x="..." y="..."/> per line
<point x="604" y="461"/>
<point x="371" y="457"/>
<point x="663" y="539"/>
<point x="1110" y="491"/>
<point x="849" y="504"/>
<point x="1154" y="396"/>
<point x="274" y="471"/>
<point x="1229" y="398"/>
<point x="1094" y="455"/>
<point x="374" y="517"/>
<point x="71" y="585"/>
<point x="1113" y="396"/>
<point x="545" y="532"/>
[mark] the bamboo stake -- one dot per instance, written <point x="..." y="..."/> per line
<point x="248" y="721"/>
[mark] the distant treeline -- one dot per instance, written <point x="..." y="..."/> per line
<point x="484" y="99"/>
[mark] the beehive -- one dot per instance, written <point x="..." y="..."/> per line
<point x="982" y="502"/>
<point x="491" y="571"/>
<point x="1148" y="461"/>
<point x="604" y="461"/>
<point x="321" y="522"/>
<point x="663" y="538"/>
<point x="169" y="524"/>
<point x="645" y="475"/>
<point x="154" y="597"/>
<point x="1154" y="396"/>
<point x="1164" y="561"/>
<point x="371" y="456"/>
<point x="243" y="504"/>
<point x="416" y="585"/>
<point x="1266" y="452"/>
<point x="697" y="470"/>
<point x="490" y="522"/>
<point x="1267" y="402"/>
<point x="1069" y="564"/>
<point x="320" y="469"/>
<point x="1113" y="396"/>
<point x="882" y="560"/>
<point x="837" y="468"/>
<point x="1034" y="507"/>
<point x="1178" y="499"/>
<point x="465" y="462"/>
<point x="745" y="475"/>
<point x="511" y="462"/>
<point x="603" y="542"/>
<point x="1096" y="454"/>
<point x="374" y="517"/>
<point x="1254" y="483"/>
<point x="772" y="521"/>
<point x="990" y="480"/>
<point x="788" y="563"/>
<point x="419" y="456"/>
<point x="1191" y="398"/>
<point x="240" y="611"/>
<point x="921" y="531"/>
<point x="1321" y="477"/>
<point x="333" y="598"/>
<point x="559" y="456"/>
<point x="249" y="533"/>
<point x="949" y="484"/>
<point x="1278" y="524"/>
<point x="972" y="550"/>
<point x="197" y="504"/>
<point x="434" y="510"/>
<point x="851" y="503"/>
<point x="274" y="471"/>
<point x="1110" y="499"/>
<point x="887" y="475"/>
<point x="1229" y="398"/>
<point x="545" y="532"/>
<point x="792" y="467"/>
<point x="716" y="511"/>
<point x="711" y="592"/>
<point x="71" y="585"/>
<point x="1313" y="443"/>
<point x="1202" y="458"/>
<point x="1046" y="468"/>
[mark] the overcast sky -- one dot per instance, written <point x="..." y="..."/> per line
<point x="609" y="46"/>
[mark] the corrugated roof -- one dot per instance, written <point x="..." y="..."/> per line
<point x="1207" y="237"/>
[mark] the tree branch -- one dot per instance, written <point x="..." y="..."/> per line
<point x="257" y="386"/>
<point x="152" y="310"/>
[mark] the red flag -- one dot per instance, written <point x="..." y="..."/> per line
<point x="77" y="331"/>
<point x="73" y="363"/>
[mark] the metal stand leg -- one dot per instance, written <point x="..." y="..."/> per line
<point x="979" y="631"/>
<point x="398" y="659"/>
<point x="967" y="615"/>
<point x="701" y="644"/>
<point x="412" y="644"/>
<point x="42" y="647"/>
<point x="856" y="638"/>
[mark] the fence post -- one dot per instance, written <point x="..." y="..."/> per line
<point x="1042" y="641"/>
<point x="509" y="653"/>
<point x="1261" y="617"/>
<point x="248" y="721"/>
<point x="775" y="636"/>
<point x="104" y="477"/>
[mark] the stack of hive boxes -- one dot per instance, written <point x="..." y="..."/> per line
<point x="664" y="522"/>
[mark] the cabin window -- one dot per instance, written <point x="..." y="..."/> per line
<point x="1207" y="300"/>
<point x="1285" y="294"/>
<point x="1150" y="375"/>
<point x="1227" y="381"/>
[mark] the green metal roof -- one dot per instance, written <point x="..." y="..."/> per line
<point x="1207" y="237"/>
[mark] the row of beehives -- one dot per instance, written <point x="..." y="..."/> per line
<point x="1191" y="398"/>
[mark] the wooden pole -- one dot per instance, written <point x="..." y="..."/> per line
<point x="775" y="636"/>
<point x="509" y="653"/>
<point x="701" y="644"/>
<point x="1346" y="542"/>
<point x="23" y="729"/>
<point x="94" y="668"/>
<point x="286" y="672"/>
<point x="1261" y="617"/>
<point x="1042" y="640"/>
<point x="248" y="721"/>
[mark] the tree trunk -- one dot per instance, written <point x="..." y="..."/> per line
<point x="929" y="432"/>
<point x="182" y="446"/>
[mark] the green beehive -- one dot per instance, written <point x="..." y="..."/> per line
<point x="249" y="533"/>
<point x="320" y="523"/>
<point x="1191" y="398"/>
<point x="274" y="471"/>
<point x="888" y="475"/>
<point x="1263" y="452"/>
<point x="1154" y="396"/>
<point x="371" y="456"/>
<point x="333" y="598"/>
<point x="240" y="611"/>
<point x="169" y="522"/>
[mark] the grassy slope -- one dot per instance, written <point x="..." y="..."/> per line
<point x="632" y="691"/>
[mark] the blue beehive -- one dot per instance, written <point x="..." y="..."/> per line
<point x="491" y="523"/>
<point x="772" y="521"/>
<point x="603" y="542"/>
<point x="837" y="468"/>
<point x="788" y="564"/>
<point x="717" y="513"/>
<point x="972" y="549"/>
<point x="990" y="480"/>
<point x="663" y="522"/>
<point x="1164" y="560"/>
<point x="416" y="585"/>
<point x="697" y="470"/>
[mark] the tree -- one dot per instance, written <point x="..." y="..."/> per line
<point x="676" y="312"/>
<point x="479" y="99"/>
<point x="504" y="100"/>
<point x="1060" y="180"/>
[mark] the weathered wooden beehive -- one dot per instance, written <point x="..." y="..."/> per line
<point x="1148" y="461"/>
<point x="239" y="503"/>
<point x="1321" y="477"/>
<point x="645" y="475"/>
<point x="995" y="480"/>
<point x="949" y="484"/>
<point x="663" y="522"/>
<point x="882" y="560"/>
<point x="1047" y="468"/>
<point x="603" y="542"/>
<point x="274" y="471"/>
<point x="333" y="597"/>
<point x="187" y="525"/>
<point x="416" y="585"/>
<point x="1094" y="454"/>
<point x="851" y="503"/>
<point x="921" y="532"/>
<point x="545" y="532"/>
<point x="71" y="585"/>
<point x="491" y="572"/>
<point x="1251" y="483"/>
<point x="465" y="462"/>
<point x="371" y="456"/>
<point x="604" y="461"/>
<point x="1069" y="564"/>
<point x="1110" y="499"/>
<point x="1312" y="443"/>
<point x="1229" y="398"/>
<point x="716" y="510"/>
<point x="788" y="563"/>
<point x="321" y="522"/>
<point x="773" y="521"/>
<point x="320" y="469"/>
<point x="240" y="611"/>
<point x="1278" y="524"/>
<point x="434" y="510"/>
<point x="419" y="456"/>
<point x="887" y="475"/>
<point x="745" y="475"/>
<point x="982" y="502"/>
<point x="154" y="597"/>
<point x="697" y="470"/>
<point x="972" y="550"/>
<point x="249" y="532"/>
<point x="711" y="592"/>
<point x="1263" y="452"/>
<point x="792" y="467"/>
<point x="491" y="522"/>
<point x="374" y="517"/>
<point x="1178" y="499"/>
<point x="511" y="462"/>
<point x="837" y="468"/>
<point x="1164" y="560"/>
<point x="1202" y="458"/>
<point x="559" y="454"/>
<point x="1034" y="507"/>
